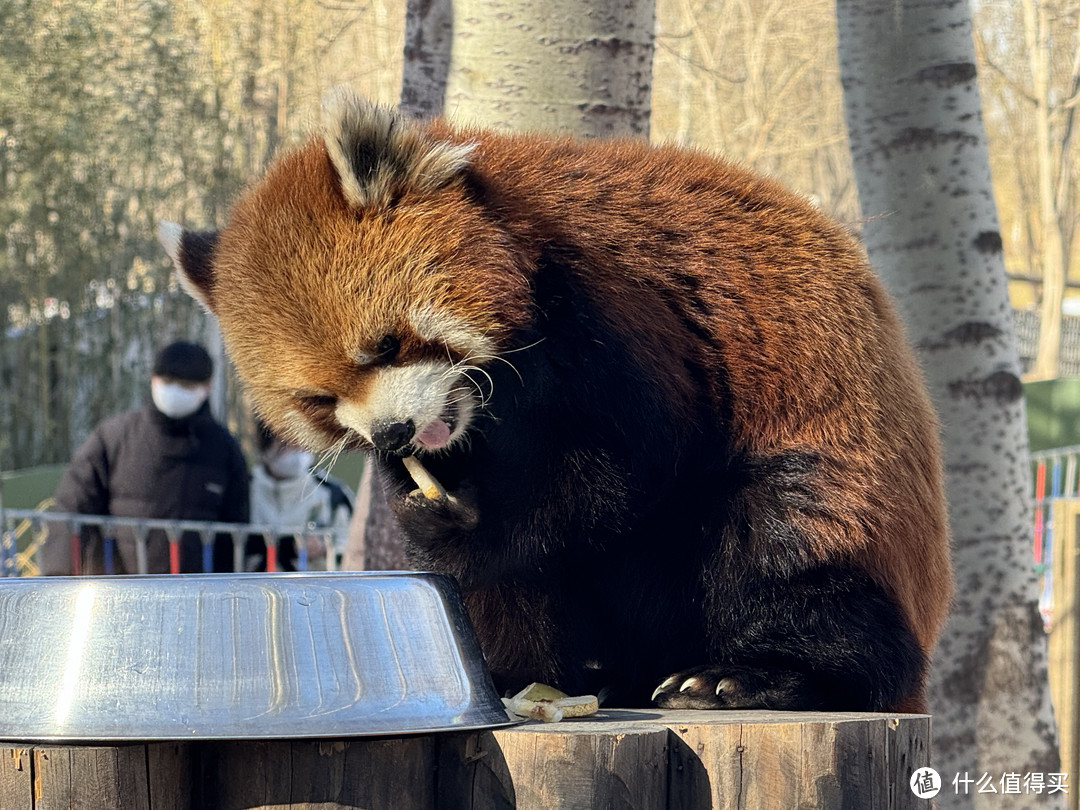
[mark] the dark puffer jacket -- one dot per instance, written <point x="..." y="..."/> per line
<point x="144" y="464"/>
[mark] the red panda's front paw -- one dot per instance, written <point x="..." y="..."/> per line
<point x="426" y="520"/>
<point x="734" y="688"/>
<point x="699" y="688"/>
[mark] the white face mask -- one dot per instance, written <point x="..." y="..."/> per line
<point x="177" y="401"/>
<point x="289" y="463"/>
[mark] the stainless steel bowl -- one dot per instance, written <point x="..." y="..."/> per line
<point x="238" y="656"/>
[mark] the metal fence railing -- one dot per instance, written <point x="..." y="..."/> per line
<point x="25" y="532"/>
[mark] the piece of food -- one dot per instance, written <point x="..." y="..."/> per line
<point x="540" y="691"/>
<point x="581" y="706"/>
<point x="542" y="702"/>
<point x="424" y="480"/>
<point x="534" y="709"/>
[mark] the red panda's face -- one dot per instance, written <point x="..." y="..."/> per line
<point x="351" y="323"/>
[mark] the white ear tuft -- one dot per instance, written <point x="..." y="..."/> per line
<point x="170" y="234"/>
<point x="379" y="154"/>
<point x="192" y="256"/>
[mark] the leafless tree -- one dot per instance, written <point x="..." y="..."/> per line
<point x="1031" y="56"/>
<point x="920" y="157"/>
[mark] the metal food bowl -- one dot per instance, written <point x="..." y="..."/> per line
<point x="238" y="656"/>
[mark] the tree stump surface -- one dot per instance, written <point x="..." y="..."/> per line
<point x="640" y="759"/>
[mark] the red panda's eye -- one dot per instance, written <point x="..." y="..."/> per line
<point x="387" y="348"/>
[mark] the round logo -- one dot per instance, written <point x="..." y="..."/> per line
<point x="925" y="783"/>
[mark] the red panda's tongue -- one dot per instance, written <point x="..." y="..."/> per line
<point x="434" y="436"/>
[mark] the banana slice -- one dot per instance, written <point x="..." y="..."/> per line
<point x="581" y="706"/>
<point x="534" y="709"/>
<point x="541" y="691"/>
<point x="430" y="488"/>
<point x="542" y="702"/>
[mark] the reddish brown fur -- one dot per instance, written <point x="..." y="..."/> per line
<point x="295" y="219"/>
<point x="779" y="397"/>
<point x="745" y="244"/>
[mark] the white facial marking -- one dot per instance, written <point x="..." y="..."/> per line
<point x="434" y="326"/>
<point x="362" y="358"/>
<point x="421" y="392"/>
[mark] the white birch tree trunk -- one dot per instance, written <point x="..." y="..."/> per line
<point x="560" y="65"/>
<point x="931" y="230"/>
<point x="429" y="27"/>
<point x="1054" y="263"/>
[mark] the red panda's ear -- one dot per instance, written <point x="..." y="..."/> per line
<point x="380" y="154"/>
<point x="192" y="253"/>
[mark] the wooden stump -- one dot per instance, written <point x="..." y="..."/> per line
<point x="128" y="777"/>
<point x="643" y="760"/>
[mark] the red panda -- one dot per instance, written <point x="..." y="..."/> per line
<point x="685" y="453"/>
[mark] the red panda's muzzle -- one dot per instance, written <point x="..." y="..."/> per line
<point x="398" y="437"/>
<point x="412" y="408"/>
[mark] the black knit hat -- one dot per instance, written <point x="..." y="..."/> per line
<point x="184" y="361"/>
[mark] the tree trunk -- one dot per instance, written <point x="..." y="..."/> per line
<point x="429" y="26"/>
<point x="1051" y="247"/>
<point x="931" y="229"/>
<point x="560" y="66"/>
<point x="374" y="542"/>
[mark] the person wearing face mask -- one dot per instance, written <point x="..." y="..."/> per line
<point x="285" y="492"/>
<point x="168" y="459"/>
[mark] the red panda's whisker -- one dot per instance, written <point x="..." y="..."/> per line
<point x="329" y="457"/>
<point x="474" y="357"/>
<point x="523" y="348"/>
<point x="463" y="394"/>
<point x="484" y="397"/>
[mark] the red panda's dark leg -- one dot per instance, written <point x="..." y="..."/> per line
<point x="784" y="628"/>
<point x="827" y="638"/>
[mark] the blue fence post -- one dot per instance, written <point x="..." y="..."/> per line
<point x="109" y="548"/>
<point x="207" y="551"/>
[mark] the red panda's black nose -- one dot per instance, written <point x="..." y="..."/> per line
<point x="393" y="436"/>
